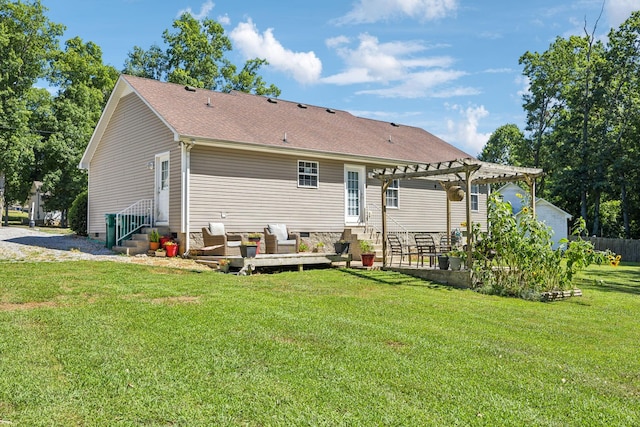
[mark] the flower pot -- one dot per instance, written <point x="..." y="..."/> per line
<point x="154" y="245"/>
<point x="172" y="250"/>
<point x="455" y="263"/>
<point x="256" y="240"/>
<point x="443" y="262"/>
<point x="164" y="240"/>
<point x="367" y="259"/>
<point x="248" y="251"/>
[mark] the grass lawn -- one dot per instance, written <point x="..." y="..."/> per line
<point x="86" y="343"/>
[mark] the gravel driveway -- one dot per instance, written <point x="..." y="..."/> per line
<point x="31" y="244"/>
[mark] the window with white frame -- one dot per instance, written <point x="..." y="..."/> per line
<point x="393" y="194"/>
<point x="475" y="197"/>
<point x="307" y="174"/>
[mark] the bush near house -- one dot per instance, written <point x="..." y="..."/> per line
<point x="78" y="214"/>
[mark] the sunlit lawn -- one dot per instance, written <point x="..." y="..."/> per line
<point x="85" y="343"/>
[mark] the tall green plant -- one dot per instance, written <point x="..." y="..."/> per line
<point x="516" y="256"/>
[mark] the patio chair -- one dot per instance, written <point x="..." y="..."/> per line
<point x="425" y="246"/>
<point x="445" y="245"/>
<point x="218" y="242"/>
<point x="397" y="247"/>
<point x="278" y="240"/>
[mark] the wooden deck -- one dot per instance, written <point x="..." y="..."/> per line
<point x="247" y="265"/>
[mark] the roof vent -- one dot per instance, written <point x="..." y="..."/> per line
<point x="329" y="110"/>
<point x="190" y="88"/>
<point x="302" y="106"/>
<point x="273" y="101"/>
<point x="395" y="125"/>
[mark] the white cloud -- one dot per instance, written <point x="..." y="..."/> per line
<point x="463" y="132"/>
<point x="619" y="10"/>
<point x="369" y="11"/>
<point x="224" y="19"/>
<point x="305" y="67"/>
<point x="396" y="65"/>
<point x="204" y="10"/>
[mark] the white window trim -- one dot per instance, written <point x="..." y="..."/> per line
<point x="477" y="195"/>
<point x="317" y="174"/>
<point x="397" y="189"/>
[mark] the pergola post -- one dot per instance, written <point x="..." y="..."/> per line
<point x="469" y="223"/>
<point x="532" y="191"/>
<point x="384" y="185"/>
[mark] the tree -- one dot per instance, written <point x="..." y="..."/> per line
<point x="195" y="56"/>
<point x="27" y="39"/>
<point x="84" y="84"/>
<point x="504" y="146"/>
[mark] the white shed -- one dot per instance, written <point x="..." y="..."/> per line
<point x="546" y="212"/>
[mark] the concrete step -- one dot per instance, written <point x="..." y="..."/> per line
<point x="130" y="250"/>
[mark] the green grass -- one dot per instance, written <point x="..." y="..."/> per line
<point x="118" y="344"/>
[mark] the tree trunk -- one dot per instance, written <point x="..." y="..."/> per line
<point x="625" y="207"/>
<point x="596" y="216"/>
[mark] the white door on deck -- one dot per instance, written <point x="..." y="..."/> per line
<point x="162" y="189"/>
<point x="354" y="180"/>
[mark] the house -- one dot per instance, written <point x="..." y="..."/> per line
<point x="202" y="156"/>
<point x="546" y="212"/>
<point x="36" y="207"/>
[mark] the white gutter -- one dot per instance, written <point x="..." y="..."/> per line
<point x="185" y="173"/>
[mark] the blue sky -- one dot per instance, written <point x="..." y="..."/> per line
<point x="448" y="66"/>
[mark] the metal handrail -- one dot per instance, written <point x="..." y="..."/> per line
<point x="133" y="218"/>
<point x="374" y="223"/>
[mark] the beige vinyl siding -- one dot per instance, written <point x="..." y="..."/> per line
<point x="118" y="173"/>
<point x="252" y="190"/>
<point x="423" y="206"/>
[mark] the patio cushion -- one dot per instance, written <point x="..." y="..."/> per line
<point x="280" y="231"/>
<point x="287" y="242"/>
<point x="234" y="243"/>
<point x="216" y="228"/>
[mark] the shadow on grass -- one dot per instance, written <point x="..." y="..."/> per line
<point x="625" y="280"/>
<point x="394" y="278"/>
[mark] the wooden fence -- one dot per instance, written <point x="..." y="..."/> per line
<point x="629" y="249"/>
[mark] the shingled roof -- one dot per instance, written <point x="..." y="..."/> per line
<point x="250" y="119"/>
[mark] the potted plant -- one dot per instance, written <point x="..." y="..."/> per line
<point x="367" y="253"/>
<point x="164" y="239"/>
<point x="154" y="240"/>
<point x="455" y="259"/>
<point x="223" y="265"/>
<point x="160" y="252"/>
<point x="319" y="247"/>
<point x="342" y="247"/>
<point x="443" y="262"/>
<point x="248" y="249"/>
<point x="255" y="237"/>
<point x="303" y="247"/>
<point x="172" y="248"/>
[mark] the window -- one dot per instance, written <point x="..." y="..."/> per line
<point x="164" y="175"/>
<point x="307" y="174"/>
<point x="393" y="192"/>
<point x="475" y="197"/>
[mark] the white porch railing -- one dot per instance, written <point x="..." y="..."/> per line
<point x="374" y="223"/>
<point x="133" y="218"/>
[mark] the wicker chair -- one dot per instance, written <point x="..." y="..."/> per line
<point x="218" y="242"/>
<point x="278" y="240"/>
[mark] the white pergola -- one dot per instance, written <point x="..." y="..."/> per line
<point x="462" y="172"/>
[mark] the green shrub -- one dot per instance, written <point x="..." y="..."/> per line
<point x="78" y="214"/>
<point x="523" y="262"/>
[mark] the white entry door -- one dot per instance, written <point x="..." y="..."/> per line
<point x="162" y="189"/>
<point x="354" y="180"/>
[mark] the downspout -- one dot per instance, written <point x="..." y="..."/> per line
<point x="185" y="226"/>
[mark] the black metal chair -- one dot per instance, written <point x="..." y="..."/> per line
<point x="396" y="247"/>
<point x="425" y="246"/>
